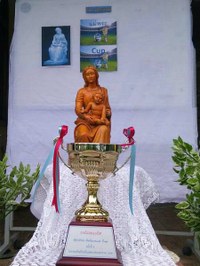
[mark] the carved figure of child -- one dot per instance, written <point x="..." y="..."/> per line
<point x="97" y="109"/>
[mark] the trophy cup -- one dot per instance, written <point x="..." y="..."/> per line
<point x="93" y="162"/>
<point x="90" y="238"/>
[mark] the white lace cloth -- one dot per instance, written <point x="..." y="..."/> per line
<point x="136" y="241"/>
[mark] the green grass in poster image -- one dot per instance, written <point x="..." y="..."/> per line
<point x="89" y="40"/>
<point x="112" y="66"/>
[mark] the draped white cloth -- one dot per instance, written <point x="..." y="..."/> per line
<point x="136" y="241"/>
<point x="152" y="90"/>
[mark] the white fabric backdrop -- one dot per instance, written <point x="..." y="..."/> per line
<point x="153" y="89"/>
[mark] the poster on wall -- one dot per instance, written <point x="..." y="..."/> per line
<point x="98" y="44"/>
<point x="56" y="46"/>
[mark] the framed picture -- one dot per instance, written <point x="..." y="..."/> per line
<point x="56" y="46"/>
<point x="103" y="57"/>
<point x="98" y="44"/>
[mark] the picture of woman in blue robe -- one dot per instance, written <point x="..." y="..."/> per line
<point x="58" y="51"/>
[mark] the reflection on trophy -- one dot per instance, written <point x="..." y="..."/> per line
<point x="93" y="162"/>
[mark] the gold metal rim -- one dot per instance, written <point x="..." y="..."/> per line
<point x="94" y="147"/>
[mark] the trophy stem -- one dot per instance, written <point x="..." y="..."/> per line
<point x="92" y="209"/>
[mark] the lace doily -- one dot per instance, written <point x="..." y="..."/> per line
<point x="136" y="240"/>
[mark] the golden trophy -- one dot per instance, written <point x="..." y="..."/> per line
<point x="90" y="239"/>
<point x="91" y="224"/>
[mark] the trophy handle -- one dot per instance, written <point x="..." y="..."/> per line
<point x="65" y="164"/>
<point x="60" y="157"/>
<point x="120" y="167"/>
<point x="129" y="133"/>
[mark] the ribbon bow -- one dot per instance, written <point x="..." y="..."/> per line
<point x="129" y="133"/>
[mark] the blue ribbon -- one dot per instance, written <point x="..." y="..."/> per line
<point x="131" y="178"/>
<point x="41" y="175"/>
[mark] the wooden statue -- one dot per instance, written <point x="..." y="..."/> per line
<point x="93" y="110"/>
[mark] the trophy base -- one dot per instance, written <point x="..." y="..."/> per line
<point x="87" y="262"/>
<point x="91" y="244"/>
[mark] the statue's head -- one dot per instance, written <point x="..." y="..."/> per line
<point x="93" y="68"/>
<point x="98" y="98"/>
<point x="58" y="30"/>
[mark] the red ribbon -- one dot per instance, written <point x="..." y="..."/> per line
<point x="129" y="133"/>
<point x="63" y="132"/>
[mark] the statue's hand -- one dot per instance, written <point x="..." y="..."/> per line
<point x="100" y="122"/>
<point x="108" y="113"/>
<point x="89" y="119"/>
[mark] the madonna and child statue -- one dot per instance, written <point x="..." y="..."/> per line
<point x="93" y="158"/>
<point x="93" y="110"/>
